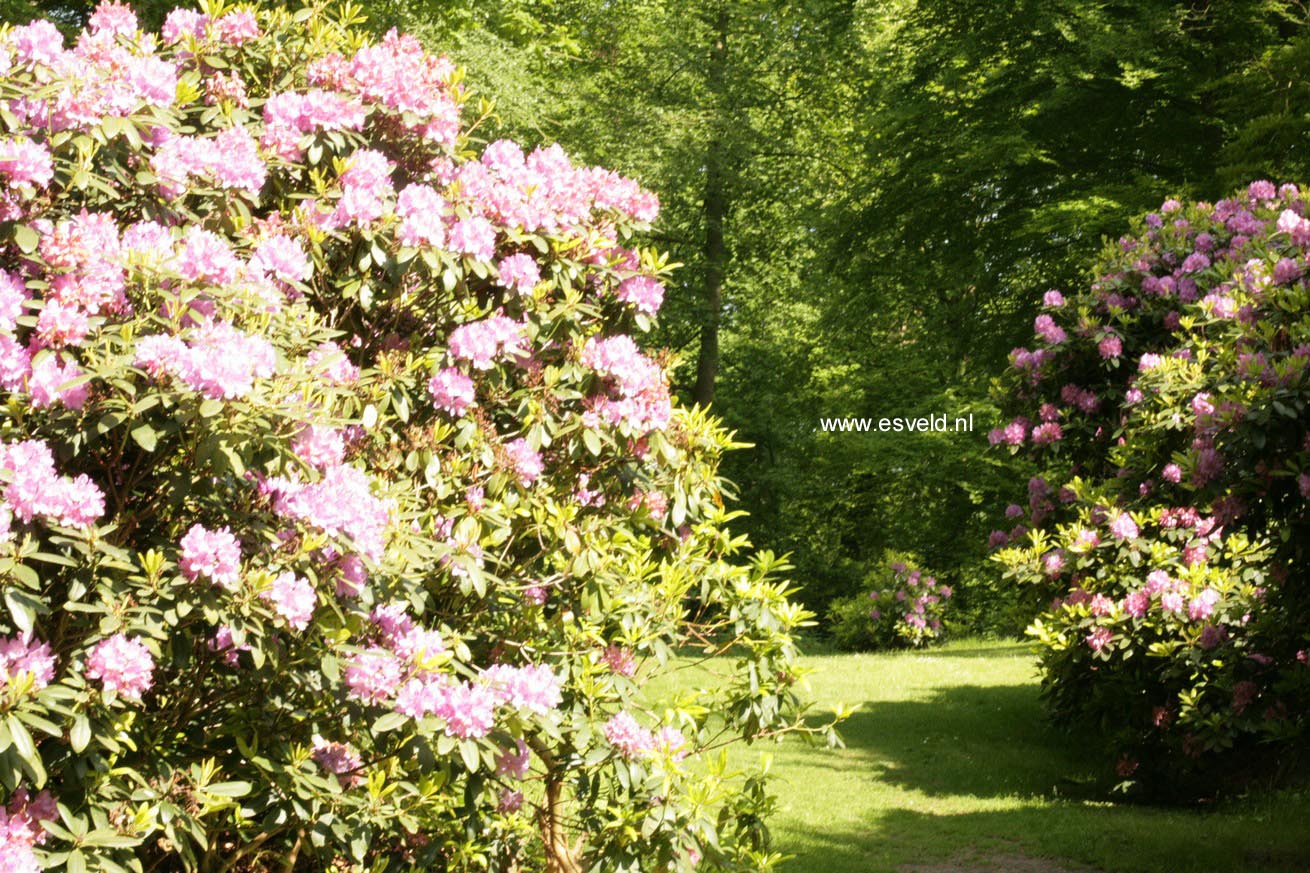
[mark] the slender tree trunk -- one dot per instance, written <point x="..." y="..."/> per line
<point x="716" y="207"/>
<point x="560" y="856"/>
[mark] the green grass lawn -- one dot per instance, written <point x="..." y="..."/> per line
<point x="948" y="756"/>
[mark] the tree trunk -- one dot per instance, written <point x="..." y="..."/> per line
<point x="716" y="207"/>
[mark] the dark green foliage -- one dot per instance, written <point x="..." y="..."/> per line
<point x="900" y="182"/>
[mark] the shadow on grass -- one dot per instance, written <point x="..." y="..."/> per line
<point x="1006" y="650"/>
<point x="984" y="741"/>
<point x="1067" y="839"/>
<point x="979" y="774"/>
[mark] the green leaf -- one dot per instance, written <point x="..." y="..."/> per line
<point x="21" y="608"/>
<point x="228" y="789"/>
<point x="145" y="436"/>
<point x="389" y="722"/>
<point x="22" y="739"/>
<point x="468" y="750"/>
<point x="26" y="238"/>
<point x="80" y="736"/>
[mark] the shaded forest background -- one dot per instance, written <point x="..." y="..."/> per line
<point x="869" y="199"/>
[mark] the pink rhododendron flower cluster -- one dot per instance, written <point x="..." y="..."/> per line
<point x="218" y="360"/>
<point x="483" y="343"/>
<point x="293" y="598"/>
<point x="20" y="829"/>
<point x="24" y="659"/>
<point x="319" y="446"/>
<point x="340" y="760"/>
<point x="121" y="664"/>
<point x="290" y="116"/>
<point x="638" y="394"/>
<point x="34" y="488"/>
<point x="452" y="391"/>
<point x="214" y="555"/>
<point x="340" y="503"/>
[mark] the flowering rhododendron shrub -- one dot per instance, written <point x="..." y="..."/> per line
<point x="342" y="518"/>
<point x="1167" y="402"/>
<point x="904" y="606"/>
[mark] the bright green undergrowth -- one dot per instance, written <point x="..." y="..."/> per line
<point x="948" y="755"/>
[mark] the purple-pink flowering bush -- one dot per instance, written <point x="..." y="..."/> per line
<point x="341" y="518"/>
<point x="903" y="607"/>
<point x="1168" y="531"/>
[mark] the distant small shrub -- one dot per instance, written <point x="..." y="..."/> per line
<point x="901" y="607"/>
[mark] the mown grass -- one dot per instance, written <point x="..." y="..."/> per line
<point x="949" y="755"/>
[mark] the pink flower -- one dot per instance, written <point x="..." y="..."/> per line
<point x="1110" y="346"/>
<point x="340" y="760"/>
<point x="524" y="460"/>
<point x="221" y="362"/>
<point x="24" y="657"/>
<point x="1202" y="605"/>
<point x="329" y="360"/>
<point x="282" y="258"/>
<point x="1171" y="601"/>
<point x="1099" y="639"/>
<point x="619" y="660"/>
<point x="373" y="675"/>
<point x="237" y="27"/>
<point x="452" y="391"/>
<point x="670" y="741"/>
<point x="1053" y="299"/>
<point x="519" y="273"/>
<point x="474" y="236"/>
<point x="61" y="325"/>
<point x="1047" y="433"/>
<point x="1157" y="581"/>
<point x="1244" y="694"/>
<point x="422" y="213"/>
<point x="36" y="490"/>
<point x="514" y="763"/>
<point x="1137" y="603"/>
<point x="293" y="598"/>
<point x="631" y="739"/>
<point x="122" y="665"/>
<point x="1048" y="330"/>
<point x="341" y="503"/>
<point x="468" y="709"/>
<point x="1101" y="605"/>
<point x="1123" y="527"/>
<point x="482" y="342"/>
<point x="223" y="643"/>
<point x="637" y="393"/>
<point x="24" y="162"/>
<point x="1085" y="540"/>
<point x="534" y="687"/>
<point x="216" y="555"/>
<point x="509" y="801"/>
<point x="20" y="830"/>
<point x="643" y="292"/>
<point x="49" y="383"/>
<point x="1212" y="637"/>
<point x="183" y="23"/>
<point x="319" y="446"/>
<point x="1172" y="473"/>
